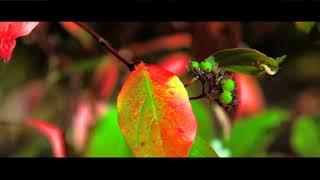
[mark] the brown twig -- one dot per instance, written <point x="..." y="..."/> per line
<point x="190" y="82"/>
<point x="106" y="45"/>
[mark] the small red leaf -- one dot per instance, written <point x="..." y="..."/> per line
<point x="250" y="99"/>
<point x="9" y="32"/>
<point x="53" y="133"/>
<point x="155" y="114"/>
<point x="176" y="63"/>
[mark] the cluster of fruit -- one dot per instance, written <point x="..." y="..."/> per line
<point x="208" y="65"/>
<point x="208" y="70"/>
<point x="226" y="96"/>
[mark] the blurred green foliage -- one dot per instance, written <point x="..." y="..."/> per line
<point x="305" y="137"/>
<point x="107" y="139"/>
<point x="252" y="136"/>
<point x="201" y="148"/>
<point x="204" y="119"/>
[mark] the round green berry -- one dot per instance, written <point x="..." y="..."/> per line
<point x="205" y="65"/>
<point x="211" y="60"/>
<point x="194" y="65"/>
<point x="226" y="97"/>
<point x="228" y="85"/>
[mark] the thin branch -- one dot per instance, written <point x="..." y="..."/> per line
<point x="190" y="82"/>
<point x="106" y="45"/>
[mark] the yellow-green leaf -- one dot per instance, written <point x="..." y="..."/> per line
<point x="155" y="114"/>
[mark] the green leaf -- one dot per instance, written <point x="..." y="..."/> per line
<point x="246" y="60"/>
<point x="251" y="136"/>
<point x="155" y="114"/>
<point x="205" y="120"/>
<point x="201" y="148"/>
<point x="305" y="27"/>
<point x="305" y="138"/>
<point x="107" y="139"/>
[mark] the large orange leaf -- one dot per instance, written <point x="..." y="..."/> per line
<point x="155" y="114"/>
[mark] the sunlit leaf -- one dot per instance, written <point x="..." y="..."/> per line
<point x="201" y="148"/>
<point x="251" y="136"/>
<point x="246" y="60"/>
<point x="155" y="114"/>
<point x="305" y="27"/>
<point x="107" y="139"/>
<point x="305" y="138"/>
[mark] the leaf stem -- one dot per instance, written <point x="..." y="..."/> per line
<point x="222" y="119"/>
<point x="190" y="82"/>
<point x="106" y="45"/>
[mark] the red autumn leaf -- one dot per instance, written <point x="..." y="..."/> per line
<point x="53" y="133"/>
<point x="105" y="79"/>
<point x="9" y="32"/>
<point x="176" y="63"/>
<point x="250" y="99"/>
<point x="155" y="114"/>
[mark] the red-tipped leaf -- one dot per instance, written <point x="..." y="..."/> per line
<point x="53" y="133"/>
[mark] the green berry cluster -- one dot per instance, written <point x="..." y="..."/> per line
<point x="219" y="81"/>
<point x="208" y="64"/>
<point x="226" y="96"/>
